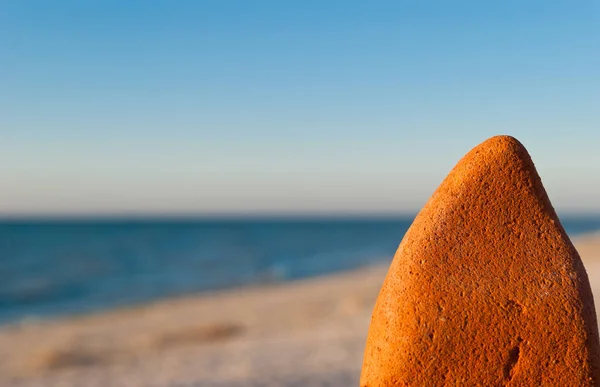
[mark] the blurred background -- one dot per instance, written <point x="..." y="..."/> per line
<point x="155" y="149"/>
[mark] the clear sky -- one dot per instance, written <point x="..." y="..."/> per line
<point x="192" y="107"/>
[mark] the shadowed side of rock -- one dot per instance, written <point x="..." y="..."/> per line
<point x="486" y="287"/>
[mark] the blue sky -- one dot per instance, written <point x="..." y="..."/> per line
<point x="196" y="107"/>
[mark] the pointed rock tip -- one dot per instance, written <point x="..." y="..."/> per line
<point x="496" y="169"/>
<point x="502" y="140"/>
<point x="498" y="148"/>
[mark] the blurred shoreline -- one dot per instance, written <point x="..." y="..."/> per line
<point x="69" y="267"/>
<point x="308" y="332"/>
<point x="56" y="268"/>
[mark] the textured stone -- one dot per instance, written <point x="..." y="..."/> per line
<point x="486" y="288"/>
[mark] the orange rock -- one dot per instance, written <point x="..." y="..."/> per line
<point x="486" y="288"/>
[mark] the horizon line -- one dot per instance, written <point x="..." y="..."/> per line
<point x="266" y="215"/>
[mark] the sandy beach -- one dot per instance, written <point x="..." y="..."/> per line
<point x="305" y="333"/>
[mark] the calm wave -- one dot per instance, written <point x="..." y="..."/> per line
<point x="57" y="267"/>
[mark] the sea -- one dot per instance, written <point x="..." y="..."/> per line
<point x="51" y="268"/>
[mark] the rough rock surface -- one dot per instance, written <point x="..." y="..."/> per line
<point x="486" y="288"/>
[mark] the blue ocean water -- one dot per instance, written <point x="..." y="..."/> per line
<point x="60" y="267"/>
